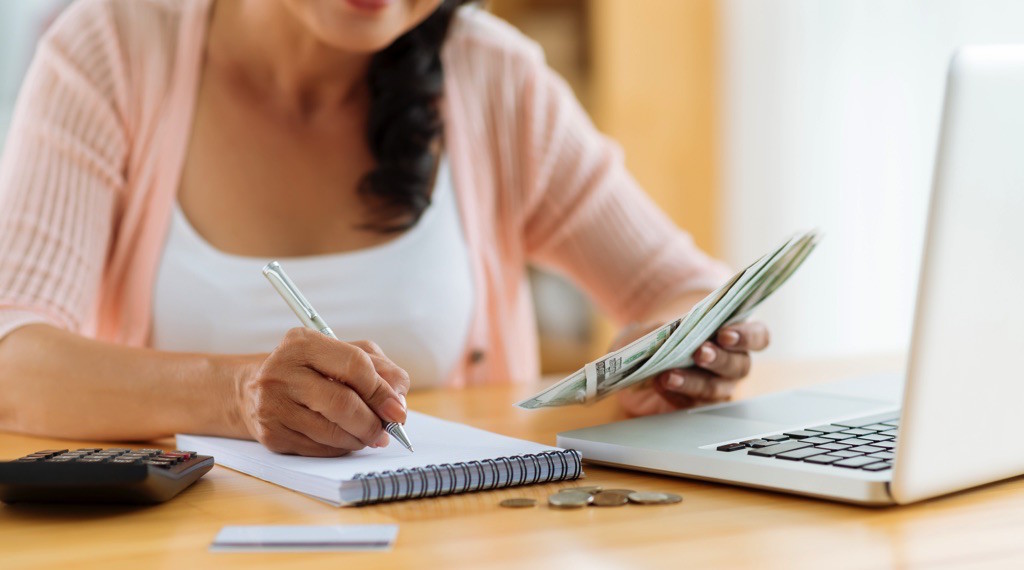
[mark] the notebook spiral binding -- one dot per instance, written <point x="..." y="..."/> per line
<point x="486" y="474"/>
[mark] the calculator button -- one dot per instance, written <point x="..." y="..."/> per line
<point x="180" y="455"/>
<point x="162" y="463"/>
<point x="59" y="459"/>
<point x="88" y="450"/>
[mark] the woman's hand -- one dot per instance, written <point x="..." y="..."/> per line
<point x="719" y="367"/>
<point x="321" y="397"/>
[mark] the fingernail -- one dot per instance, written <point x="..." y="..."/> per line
<point x="392" y="410"/>
<point x="402" y="398"/>
<point x="676" y="380"/>
<point x="730" y="338"/>
<point x="706" y="355"/>
<point x="383" y="440"/>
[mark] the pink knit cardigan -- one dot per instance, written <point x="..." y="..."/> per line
<point x="94" y="156"/>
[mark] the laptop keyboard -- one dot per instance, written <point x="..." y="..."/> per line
<point x="867" y="443"/>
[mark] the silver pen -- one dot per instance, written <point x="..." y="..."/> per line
<point x="309" y="317"/>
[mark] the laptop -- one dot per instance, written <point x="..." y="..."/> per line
<point x="950" y="422"/>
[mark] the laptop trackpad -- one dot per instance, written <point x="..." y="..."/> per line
<point x="798" y="408"/>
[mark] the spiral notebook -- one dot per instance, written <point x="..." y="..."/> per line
<point x="450" y="458"/>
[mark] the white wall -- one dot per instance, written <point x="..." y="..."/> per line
<point x="830" y="116"/>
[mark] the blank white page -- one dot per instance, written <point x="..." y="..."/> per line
<point x="436" y="442"/>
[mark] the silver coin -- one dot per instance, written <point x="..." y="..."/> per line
<point x="518" y="503"/>
<point x="570" y="500"/>
<point x="620" y="491"/>
<point x="653" y="498"/>
<point x="592" y="489"/>
<point x="610" y="500"/>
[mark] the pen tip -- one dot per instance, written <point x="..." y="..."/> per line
<point x="398" y="432"/>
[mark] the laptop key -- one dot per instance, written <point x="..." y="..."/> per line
<point x="822" y="459"/>
<point x="778" y="448"/>
<point x="867" y="449"/>
<point x="858" y="431"/>
<point x="857" y="441"/>
<point x="883" y="455"/>
<point x="877" y="427"/>
<point x="816" y="440"/>
<point x="892" y="432"/>
<point x="731" y="447"/>
<point x="801" y="434"/>
<point x="846" y="453"/>
<point x="775" y="438"/>
<point x="826" y="428"/>
<point x="885" y="444"/>
<point x="856" y="462"/>
<point x="798" y="454"/>
<point x="877" y="467"/>
<point x="833" y="446"/>
<point x="759" y="443"/>
<point x="836" y="436"/>
<point x="876" y="437"/>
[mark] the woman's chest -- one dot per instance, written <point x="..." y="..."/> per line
<point x="259" y="183"/>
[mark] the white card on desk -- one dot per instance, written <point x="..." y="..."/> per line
<point x="294" y="538"/>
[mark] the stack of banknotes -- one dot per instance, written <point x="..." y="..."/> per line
<point x="672" y="345"/>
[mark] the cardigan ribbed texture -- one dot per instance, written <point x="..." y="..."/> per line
<point x="94" y="156"/>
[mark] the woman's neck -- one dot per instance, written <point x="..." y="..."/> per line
<point x="273" y="53"/>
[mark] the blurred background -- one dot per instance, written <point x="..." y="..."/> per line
<point x="745" y="120"/>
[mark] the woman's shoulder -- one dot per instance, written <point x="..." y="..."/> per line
<point x="125" y="35"/>
<point x="479" y="37"/>
<point x="124" y="51"/>
<point x="131" y="23"/>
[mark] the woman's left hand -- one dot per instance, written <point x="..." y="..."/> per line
<point x="719" y="365"/>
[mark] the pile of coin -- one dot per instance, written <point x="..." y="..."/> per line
<point x="579" y="497"/>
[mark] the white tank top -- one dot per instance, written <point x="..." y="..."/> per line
<point x="413" y="295"/>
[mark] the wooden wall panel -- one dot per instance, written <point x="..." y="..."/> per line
<point x="653" y="87"/>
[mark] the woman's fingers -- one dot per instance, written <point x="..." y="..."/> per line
<point x="393" y="374"/>
<point x="724" y="363"/>
<point x="743" y="337"/>
<point x="282" y="439"/>
<point x="318" y="428"/>
<point x="697" y="384"/>
<point x="352" y="366"/>
<point x="340" y="405"/>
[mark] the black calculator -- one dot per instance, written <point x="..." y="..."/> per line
<point x="100" y="475"/>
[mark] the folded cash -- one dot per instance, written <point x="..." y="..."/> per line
<point x="672" y="345"/>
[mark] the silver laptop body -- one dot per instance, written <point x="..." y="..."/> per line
<point x="963" y="386"/>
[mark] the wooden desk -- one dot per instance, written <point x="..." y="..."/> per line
<point x="716" y="526"/>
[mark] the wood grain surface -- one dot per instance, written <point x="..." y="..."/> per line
<point x="716" y="526"/>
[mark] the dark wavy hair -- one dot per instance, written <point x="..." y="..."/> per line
<point x="406" y="81"/>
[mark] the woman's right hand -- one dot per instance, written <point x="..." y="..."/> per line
<point x="321" y="397"/>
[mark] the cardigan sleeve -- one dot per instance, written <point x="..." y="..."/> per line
<point x="587" y="218"/>
<point x="61" y="174"/>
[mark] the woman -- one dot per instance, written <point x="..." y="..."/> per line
<point x="403" y="159"/>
